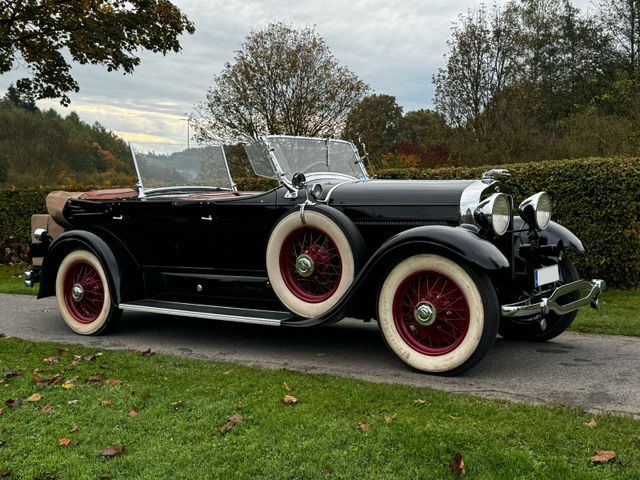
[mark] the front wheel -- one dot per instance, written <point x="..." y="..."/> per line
<point x="83" y="294"/>
<point x="437" y="315"/>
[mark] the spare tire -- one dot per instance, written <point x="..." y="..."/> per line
<point x="312" y="264"/>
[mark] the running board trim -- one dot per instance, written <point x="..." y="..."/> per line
<point x="211" y="313"/>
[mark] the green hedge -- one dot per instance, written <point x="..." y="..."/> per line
<point x="598" y="199"/>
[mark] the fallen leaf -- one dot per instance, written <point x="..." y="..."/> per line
<point x="177" y="404"/>
<point x="35" y="378"/>
<point x="133" y="412"/>
<point x="64" y="442"/>
<point x="389" y="418"/>
<point x="63" y="349"/>
<point x="12" y="373"/>
<point x="37" y="371"/>
<point x="1" y="411"/>
<point x="67" y="386"/>
<point x="95" y="378"/>
<point x="89" y="358"/>
<point x="72" y="402"/>
<point x="104" y="476"/>
<point x="232" y="421"/>
<point x="146" y="353"/>
<point x="48" y="381"/>
<point x="104" y="403"/>
<point x="228" y="372"/>
<point x="591" y="423"/>
<point x="113" y="382"/>
<point x="48" y="408"/>
<point x="74" y="428"/>
<point x="36" y="397"/>
<point x="289" y="399"/>
<point x="453" y="417"/>
<point x="71" y="380"/>
<point x="457" y="465"/>
<point x="112" y="451"/>
<point x="420" y="401"/>
<point x="363" y="427"/>
<point x="13" y="402"/>
<point x="51" y="360"/>
<point x="286" y="387"/>
<point x="5" y="473"/>
<point x="603" y="456"/>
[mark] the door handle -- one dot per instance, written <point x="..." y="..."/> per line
<point x="208" y="219"/>
<point x="120" y="217"/>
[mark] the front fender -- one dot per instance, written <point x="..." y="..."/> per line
<point x="554" y="233"/>
<point x="114" y="259"/>
<point x="458" y="242"/>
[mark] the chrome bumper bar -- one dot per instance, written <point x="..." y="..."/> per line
<point x="30" y="278"/>
<point x="588" y="291"/>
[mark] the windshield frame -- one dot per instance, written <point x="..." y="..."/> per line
<point x="142" y="192"/>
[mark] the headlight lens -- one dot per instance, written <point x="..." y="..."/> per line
<point x="536" y="210"/>
<point x="495" y="212"/>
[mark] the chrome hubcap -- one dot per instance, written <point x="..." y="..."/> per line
<point x="424" y="313"/>
<point x="304" y="265"/>
<point x="77" y="293"/>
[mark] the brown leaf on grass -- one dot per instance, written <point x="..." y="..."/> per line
<point x="177" y="404"/>
<point x="104" y="403"/>
<point x="457" y="465"/>
<point x="289" y="400"/>
<point x="95" y="378"/>
<point x="48" y="381"/>
<point x="64" y="442"/>
<point x="104" y="476"/>
<point x="420" y="401"/>
<point x="6" y="473"/>
<point x="74" y="428"/>
<point x="48" y="408"/>
<point x="63" y="350"/>
<point x="454" y="418"/>
<point x="1" y="411"/>
<point x="112" y="451"/>
<point x="134" y="411"/>
<point x="228" y="372"/>
<point x="13" y="402"/>
<point x="603" y="456"/>
<point x="232" y="421"/>
<point x="88" y="358"/>
<point x="113" y="382"/>
<point x="72" y="402"/>
<point x="71" y="380"/>
<point x="591" y="423"/>
<point x="146" y="353"/>
<point x="390" y="418"/>
<point x="12" y="373"/>
<point x="51" y="360"/>
<point x="36" y="397"/>
<point x="364" y="427"/>
<point x="286" y="386"/>
<point x="36" y="378"/>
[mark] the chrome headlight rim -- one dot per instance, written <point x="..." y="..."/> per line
<point x="494" y="213"/>
<point x="536" y="210"/>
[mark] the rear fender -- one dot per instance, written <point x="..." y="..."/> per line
<point x="114" y="258"/>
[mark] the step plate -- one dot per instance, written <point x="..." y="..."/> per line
<point x="230" y="314"/>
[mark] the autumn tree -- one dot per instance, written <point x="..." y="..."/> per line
<point x="112" y="33"/>
<point x="374" y="122"/>
<point x="621" y="20"/>
<point x="283" y="80"/>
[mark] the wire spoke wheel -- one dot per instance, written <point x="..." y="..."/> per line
<point x="431" y="313"/>
<point x="84" y="292"/>
<point x="311" y="264"/>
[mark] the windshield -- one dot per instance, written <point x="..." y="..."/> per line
<point x="171" y="166"/>
<point x="306" y="155"/>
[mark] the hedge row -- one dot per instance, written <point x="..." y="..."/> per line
<point x="598" y="199"/>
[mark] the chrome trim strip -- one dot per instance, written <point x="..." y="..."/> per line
<point x="544" y="305"/>
<point x="209" y="316"/>
<point x="331" y="190"/>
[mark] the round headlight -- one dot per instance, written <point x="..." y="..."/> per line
<point x="536" y="210"/>
<point x="495" y="212"/>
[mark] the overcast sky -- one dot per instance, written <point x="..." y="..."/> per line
<point x="394" y="46"/>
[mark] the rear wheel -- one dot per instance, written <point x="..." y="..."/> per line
<point x="437" y="315"/>
<point x="84" y="295"/>
<point x="556" y="324"/>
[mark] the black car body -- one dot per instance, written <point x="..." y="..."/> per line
<point x="442" y="265"/>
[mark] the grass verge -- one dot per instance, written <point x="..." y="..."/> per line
<point x="169" y="416"/>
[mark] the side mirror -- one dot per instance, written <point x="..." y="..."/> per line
<point x="298" y="180"/>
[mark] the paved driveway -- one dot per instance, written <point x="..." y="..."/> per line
<point x="595" y="372"/>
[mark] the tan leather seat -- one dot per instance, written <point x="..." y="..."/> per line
<point x="55" y="203"/>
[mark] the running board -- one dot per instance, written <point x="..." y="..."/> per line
<point x="229" y="314"/>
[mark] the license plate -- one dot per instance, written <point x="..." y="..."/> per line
<point x="546" y="275"/>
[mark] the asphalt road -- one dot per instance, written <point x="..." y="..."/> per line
<point x="594" y="372"/>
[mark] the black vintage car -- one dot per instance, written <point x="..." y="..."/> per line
<point x="444" y="266"/>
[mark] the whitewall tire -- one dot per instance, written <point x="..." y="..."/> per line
<point x="437" y="315"/>
<point x="84" y="295"/>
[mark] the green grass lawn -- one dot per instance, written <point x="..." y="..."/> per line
<point x="619" y="312"/>
<point x="182" y="406"/>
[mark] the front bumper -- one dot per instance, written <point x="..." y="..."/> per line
<point x="31" y="277"/>
<point x="588" y="293"/>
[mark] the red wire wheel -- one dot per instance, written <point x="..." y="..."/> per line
<point x="83" y="292"/>
<point x="311" y="264"/>
<point x="431" y="313"/>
